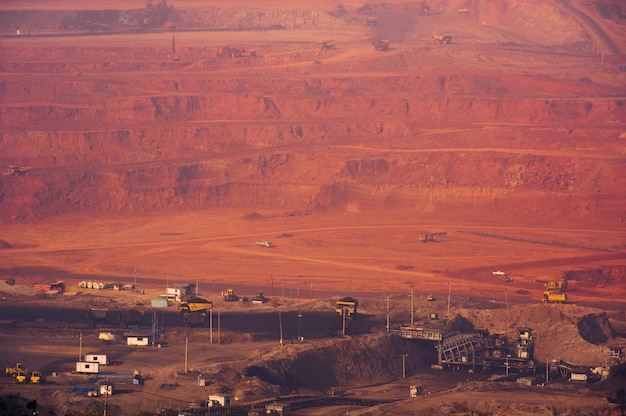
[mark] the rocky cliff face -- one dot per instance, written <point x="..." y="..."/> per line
<point x="123" y="130"/>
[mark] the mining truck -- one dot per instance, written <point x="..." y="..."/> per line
<point x="556" y="286"/>
<point x="550" y="297"/>
<point x="195" y="305"/>
<point x="442" y="39"/>
<point x="425" y="237"/>
<point x="17" y="170"/>
<point x="327" y="44"/>
<point x="381" y="45"/>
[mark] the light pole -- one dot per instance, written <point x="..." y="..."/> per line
<point x="412" y="307"/>
<point x="299" y="324"/>
<point x="387" y="312"/>
<point x="449" y="292"/>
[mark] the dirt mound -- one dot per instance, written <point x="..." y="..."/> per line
<point x="596" y="328"/>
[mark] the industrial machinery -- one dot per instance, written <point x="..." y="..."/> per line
<point x="229" y="296"/>
<point x="264" y="243"/>
<point x="12" y="371"/>
<point x="21" y="376"/>
<point x="557" y="297"/>
<point x="381" y="45"/>
<point x="35" y="377"/>
<point x="347" y="305"/>
<point x="442" y="39"/>
<point x="327" y="44"/>
<point x="195" y="305"/>
<point x="556" y="286"/>
<point x="259" y="298"/>
<point x="226" y="51"/>
<point x="173" y="55"/>
<point x="425" y="237"/>
<point x="17" y="170"/>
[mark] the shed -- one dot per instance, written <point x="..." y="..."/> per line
<point x="159" y="303"/>
<point x="140" y="340"/>
<point x="101" y="359"/>
<point x="88" y="368"/>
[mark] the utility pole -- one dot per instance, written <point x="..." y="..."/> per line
<point x="387" y="312"/>
<point x="343" y="318"/>
<point x="80" y="347"/>
<point x="211" y="326"/>
<point x="280" y="326"/>
<point x="186" y="352"/>
<point x="506" y="299"/>
<point x="404" y="364"/>
<point x="412" y="308"/>
<point x="449" y="293"/>
<point x="299" y="324"/>
<point x="547" y="369"/>
<point x="219" y="326"/>
<point x="106" y="397"/>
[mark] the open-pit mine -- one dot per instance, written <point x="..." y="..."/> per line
<point x="314" y="208"/>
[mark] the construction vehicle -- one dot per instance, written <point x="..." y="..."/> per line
<point x="229" y="296"/>
<point x="259" y="298"/>
<point x="557" y="297"/>
<point x="21" y="376"/>
<point x="226" y="51"/>
<point x="381" y="45"/>
<point x="425" y="237"/>
<point x="17" y="170"/>
<point x="505" y="277"/>
<point x="347" y="306"/>
<point x="556" y="286"/>
<point x="173" y="55"/>
<point x="327" y="44"/>
<point x="35" y="377"/>
<point x="442" y="39"/>
<point x="195" y="305"/>
<point x="264" y="243"/>
<point x="12" y="371"/>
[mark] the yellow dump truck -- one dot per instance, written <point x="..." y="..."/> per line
<point x="347" y="305"/>
<point x="195" y="305"/>
<point x="557" y="297"/>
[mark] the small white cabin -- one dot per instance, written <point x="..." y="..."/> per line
<point x="101" y="359"/>
<point x="140" y="340"/>
<point x="87" y="368"/>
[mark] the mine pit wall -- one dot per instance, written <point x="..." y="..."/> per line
<point x="349" y="362"/>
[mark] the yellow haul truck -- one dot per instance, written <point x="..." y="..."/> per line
<point x="195" y="305"/>
<point x="557" y="297"/>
